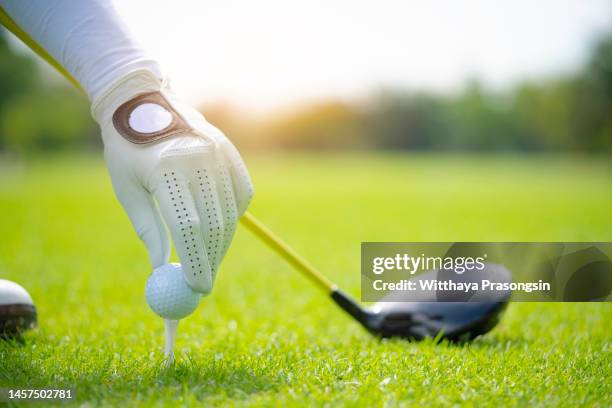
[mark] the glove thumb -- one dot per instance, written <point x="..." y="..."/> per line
<point x="144" y="215"/>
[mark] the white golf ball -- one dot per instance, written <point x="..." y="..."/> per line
<point x="169" y="295"/>
<point x="17" y="311"/>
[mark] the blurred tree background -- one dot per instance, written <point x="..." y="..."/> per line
<point x="37" y="114"/>
<point x="565" y="113"/>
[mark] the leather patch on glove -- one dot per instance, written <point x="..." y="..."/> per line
<point x="147" y="118"/>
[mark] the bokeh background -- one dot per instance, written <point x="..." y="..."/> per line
<point x="514" y="76"/>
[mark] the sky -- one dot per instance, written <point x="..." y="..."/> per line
<point x="271" y="53"/>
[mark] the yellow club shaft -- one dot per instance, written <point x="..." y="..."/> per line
<point x="288" y="253"/>
<point x="10" y="25"/>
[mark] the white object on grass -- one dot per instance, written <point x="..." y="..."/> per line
<point x="168" y="293"/>
<point x="171" y="326"/>
<point x="17" y="311"/>
<point x="13" y="294"/>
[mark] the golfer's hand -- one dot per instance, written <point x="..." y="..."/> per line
<point x="171" y="168"/>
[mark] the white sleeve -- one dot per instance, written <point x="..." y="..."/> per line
<point x="87" y="37"/>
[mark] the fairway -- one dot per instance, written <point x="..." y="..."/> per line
<point x="266" y="336"/>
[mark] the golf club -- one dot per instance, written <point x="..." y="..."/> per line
<point x="394" y="316"/>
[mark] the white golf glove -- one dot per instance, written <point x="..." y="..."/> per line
<point x="171" y="168"/>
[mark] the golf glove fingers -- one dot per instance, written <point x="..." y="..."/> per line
<point x="172" y="171"/>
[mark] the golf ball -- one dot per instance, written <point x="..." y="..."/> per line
<point x="169" y="295"/>
<point x="17" y="311"/>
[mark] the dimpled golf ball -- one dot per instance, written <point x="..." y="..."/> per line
<point x="169" y="295"/>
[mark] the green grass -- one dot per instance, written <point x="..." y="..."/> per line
<point x="266" y="336"/>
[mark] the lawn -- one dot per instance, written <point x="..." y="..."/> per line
<point x="266" y="337"/>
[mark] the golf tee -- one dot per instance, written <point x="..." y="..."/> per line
<point x="171" y="326"/>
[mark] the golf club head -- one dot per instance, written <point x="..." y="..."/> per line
<point x="423" y="314"/>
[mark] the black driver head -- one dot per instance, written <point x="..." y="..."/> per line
<point x="457" y="317"/>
